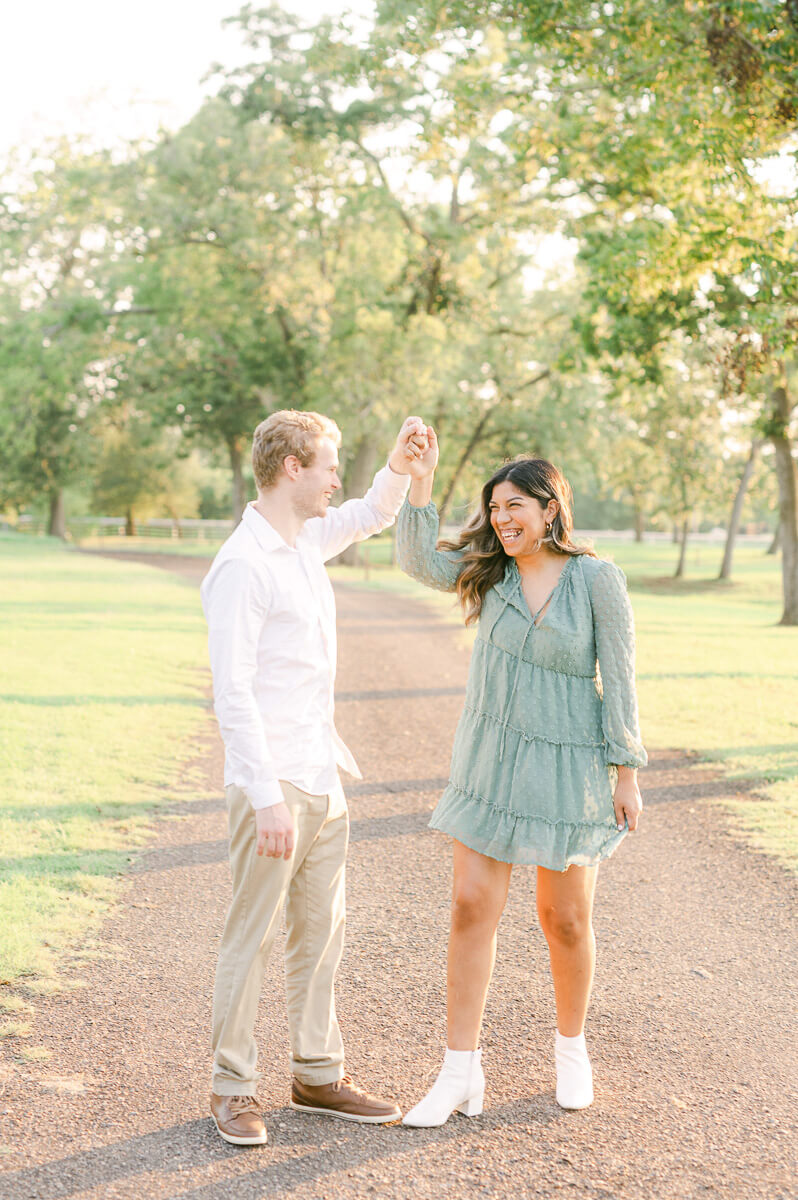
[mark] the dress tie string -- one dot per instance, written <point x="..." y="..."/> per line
<point x="511" y="693"/>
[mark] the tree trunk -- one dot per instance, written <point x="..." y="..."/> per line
<point x="787" y="475"/>
<point x="56" y="525"/>
<point x="640" y="522"/>
<point x="130" y="523"/>
<point x="235" y="446"/>
<point x="775" y="541"/>
<point x="676" y="536"/>
<point x="682" y="549"/>
<point x="359" y="474"/>
<point x="478" y="430"/>
<point x="736" y="512"/>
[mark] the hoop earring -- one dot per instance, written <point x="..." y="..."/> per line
<point x="548" y="528"/>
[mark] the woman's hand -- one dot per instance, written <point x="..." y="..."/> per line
<point x="426" y="457"/>
<point x="627" y="801"/>
<point x="422" y="470"/>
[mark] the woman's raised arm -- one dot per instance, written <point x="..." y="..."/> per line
<point x="417" y="528"/>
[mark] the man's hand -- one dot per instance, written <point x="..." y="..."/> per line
<point x="275" y="828"/>
<point x="410" y="445"/>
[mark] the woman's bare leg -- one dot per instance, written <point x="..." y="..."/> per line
<point x="565" y="909"/>
<point x="478" y="898"/>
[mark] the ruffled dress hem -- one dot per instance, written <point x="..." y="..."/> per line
<point x="521" y="839"/>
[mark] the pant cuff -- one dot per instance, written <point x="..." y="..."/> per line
<point x="317" y="1076"/>
<point x="234" y="1087"/>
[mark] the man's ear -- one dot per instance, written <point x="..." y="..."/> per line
<point x="292" y="466"/>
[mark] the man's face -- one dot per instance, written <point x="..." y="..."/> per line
<point x="316" y="483"/>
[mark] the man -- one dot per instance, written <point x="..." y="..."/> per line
<point x="271" y="634"/>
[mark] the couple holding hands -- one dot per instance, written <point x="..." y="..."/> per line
<point x="544" y="764"/>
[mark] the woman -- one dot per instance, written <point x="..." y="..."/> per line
<point x="545" y="758"/>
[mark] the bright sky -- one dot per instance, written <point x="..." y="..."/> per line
<point x="116" y="70"/>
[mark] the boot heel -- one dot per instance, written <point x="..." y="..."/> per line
<point x="472" y="1107"/>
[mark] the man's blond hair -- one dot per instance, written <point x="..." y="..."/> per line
<point x="290" y="431"/>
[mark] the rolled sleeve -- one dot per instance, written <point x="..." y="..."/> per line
<point x="355" y="520"/>
<point x="235" y="598"/>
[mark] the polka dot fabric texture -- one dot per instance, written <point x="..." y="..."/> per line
<point x="550" y="710"/>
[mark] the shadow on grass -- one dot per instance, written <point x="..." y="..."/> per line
<point x="87" y="810"/>
<point x="783" y="765"/>
<point x="756" y="676"/>
<point x="115" y="608"/>
<point x="62" y="869"/>
<point x="668" y="584"/>
<point x="790" y="748"/>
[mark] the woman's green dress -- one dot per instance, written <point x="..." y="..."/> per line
<point x="542" y="729"/>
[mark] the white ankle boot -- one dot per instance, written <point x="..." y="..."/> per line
<point x="574" y="1073"/>
<point x="460" y="1086"/>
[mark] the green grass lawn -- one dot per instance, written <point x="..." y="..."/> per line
<point x="103" y="700"/>
<point x="103" y="678"/>
<point x="716" y="673"/>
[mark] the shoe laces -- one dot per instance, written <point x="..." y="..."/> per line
<point x="243" y="1104"/>
<point x="344" y="1082"/>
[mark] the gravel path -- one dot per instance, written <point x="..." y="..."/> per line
<point x="689" y="1027"/>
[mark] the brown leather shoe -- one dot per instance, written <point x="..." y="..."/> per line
<point x="238" y="1119"/>
<point x="343" y="1099"/>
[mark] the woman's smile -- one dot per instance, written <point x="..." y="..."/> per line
<point x="510" y="534"/>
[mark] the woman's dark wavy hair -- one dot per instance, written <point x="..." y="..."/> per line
<point x="484" y="557"/>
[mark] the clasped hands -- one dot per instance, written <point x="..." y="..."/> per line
<point x="415" y="452"/>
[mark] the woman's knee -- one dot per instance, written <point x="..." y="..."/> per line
<point x="567" y="925"/>
<point x="473" y="905"/>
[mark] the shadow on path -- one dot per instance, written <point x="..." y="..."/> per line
<point x="195" y="1144"/>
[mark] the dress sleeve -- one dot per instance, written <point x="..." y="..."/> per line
<point x="615" y="649"/>
<point x="416" y="538"/>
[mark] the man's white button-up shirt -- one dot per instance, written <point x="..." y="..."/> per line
<point x="271" y="635"/>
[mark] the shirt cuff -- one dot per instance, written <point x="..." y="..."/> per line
<point x="398" y="485"/>
<point x="265" y="795"/>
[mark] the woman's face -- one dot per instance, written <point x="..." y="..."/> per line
<point x="519" y="520"/>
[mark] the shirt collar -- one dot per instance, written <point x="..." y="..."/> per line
<point x="265" y="534"/>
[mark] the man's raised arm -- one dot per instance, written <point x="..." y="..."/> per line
<point x="360" y="518"/>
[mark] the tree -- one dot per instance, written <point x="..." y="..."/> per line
<point x="213" y="349"/>
<point x="140" y="469"/>
<point x="59" y="239"/>
<point x="737" y="509"/>
<point x="660" y="120"/>
<point x="419" y="185"/>
<point x="46" y="408"/>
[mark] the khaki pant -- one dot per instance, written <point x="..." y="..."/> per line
<point x="311" y="887"/>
